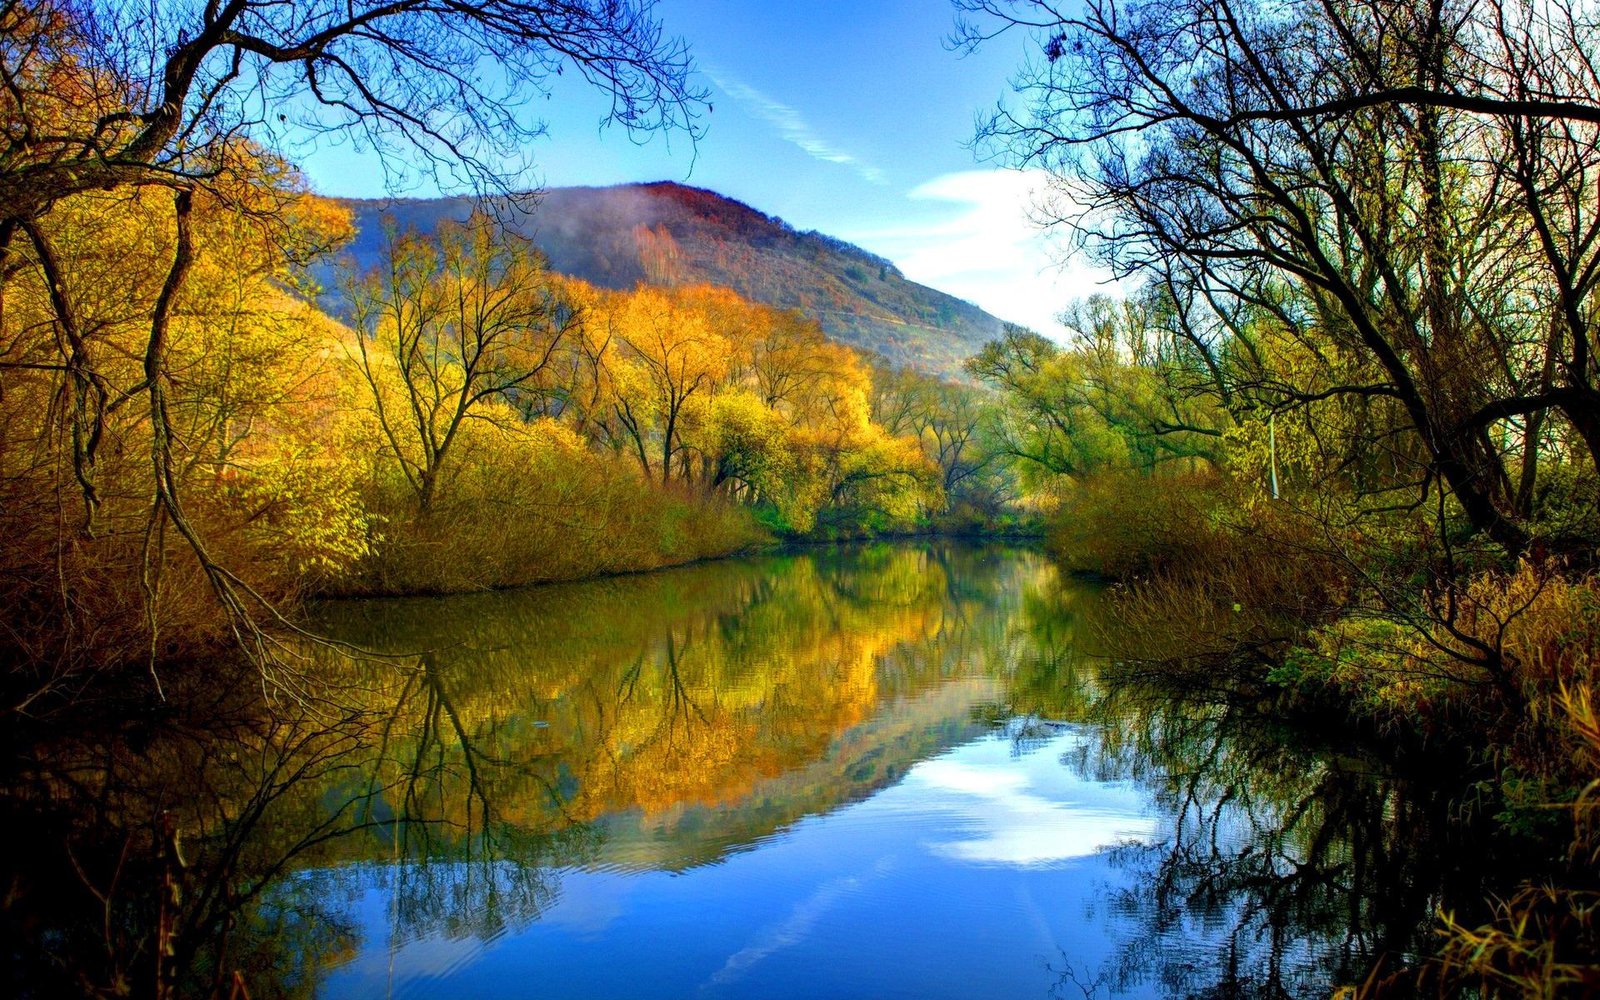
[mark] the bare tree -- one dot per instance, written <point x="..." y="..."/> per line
<point x="1412" y="185"/>
<point x="104" y="93"/>
<point x="446" y="325"/>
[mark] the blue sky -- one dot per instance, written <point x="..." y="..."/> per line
<point x="846" y="117"/>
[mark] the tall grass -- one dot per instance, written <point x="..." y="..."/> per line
<point x="126" y="592"/>
<point x="541" y="512"/>
<point x="1200" y="578"/>
<point x="1123" y="525"/>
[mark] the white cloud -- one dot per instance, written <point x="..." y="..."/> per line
<point x="986" y="246"/>
<point x="1011" y="822"/>
<point x="1033" y="811"/>
<point x="794" y="128"/>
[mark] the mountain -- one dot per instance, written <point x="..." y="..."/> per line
<point x="670" y="234"/>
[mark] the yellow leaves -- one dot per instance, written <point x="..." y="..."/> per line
<point x="669" y="708"/>
<point x="1539" y="943"/>
<point x="749" y="440"/>
<point x="499" y="438"/>
<point x="676" y="339"/>
<point x="1547" y="623"/>
<point x="703" y="387"/>
<point x="1534" y="630"/>
<point x="451" y="331"/>
<point x="890" y="475"/>
<point x="258" y="219"/>
<point x="303" y="503"/>
<point x="1249" y="447"/>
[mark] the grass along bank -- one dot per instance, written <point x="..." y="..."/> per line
<point x="1440" y="646"/>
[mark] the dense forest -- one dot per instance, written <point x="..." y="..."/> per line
<point x="1336" y="453"/>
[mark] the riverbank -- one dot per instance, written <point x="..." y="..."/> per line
<point x="616" y="523"/>
<point x="1483" y="665"/>
<point x="437" y="556"/>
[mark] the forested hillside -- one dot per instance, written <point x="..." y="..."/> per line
<point x="669" y="234"/>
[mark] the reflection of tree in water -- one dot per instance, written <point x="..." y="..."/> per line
<point x="459" y="863"/>
<point x="208" y="850"/>
<point x="1284" y="870"/>
<point x="684" y="691"/>
<point x="457" y="784"/>
<point x="497" y="888"/>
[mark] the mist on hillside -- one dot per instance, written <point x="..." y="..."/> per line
<point x="670" y="234"/>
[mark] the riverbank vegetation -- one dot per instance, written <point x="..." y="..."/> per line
<point x="195" y="434"/>
<point x="475" y="422"/>
<point x="180" y="449"/>
<point x="1339" y="446"/>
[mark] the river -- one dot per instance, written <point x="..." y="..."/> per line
<point x="890" y="770"/>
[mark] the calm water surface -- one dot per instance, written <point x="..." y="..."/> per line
<point x="880" y="771"/>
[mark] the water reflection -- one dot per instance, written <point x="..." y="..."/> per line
<point x="1288" y="862"/>
<point x="652" y="707"/>
<point x="876" y="771"/>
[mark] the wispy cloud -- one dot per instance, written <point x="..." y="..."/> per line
<point x="793" y="127"/>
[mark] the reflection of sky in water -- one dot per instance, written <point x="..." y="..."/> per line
<point x="971" y="877"/>
<point x="1027" y="811"/>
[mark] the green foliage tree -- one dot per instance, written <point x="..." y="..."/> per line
<point x="957" y="426"/>
<point x="1374" y="233"/>
<point x="1113" y="397"/>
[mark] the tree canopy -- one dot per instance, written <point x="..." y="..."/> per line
<point x="1387" y="204"/>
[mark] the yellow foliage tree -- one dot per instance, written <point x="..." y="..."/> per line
<point x="446" y="326"/>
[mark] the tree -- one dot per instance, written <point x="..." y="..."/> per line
<point x="947" y="418"/>
<point x="671" y="358"/>
<point x="193" y="103"/>
<point x="244" y="426"/>
<point x="1045" y="423"/>
<point x="103" y="95"/>
<point x="1407" y="191"/>
<point x="792" y="362"/>
<point x="746" y="443"/>
<point x="447" y="325"/>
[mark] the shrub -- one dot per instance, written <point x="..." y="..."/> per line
<point x="126" y="594"/>
<point x="1501" y="647"/>
<point x="532" y="504"/>
<point x="1124" y="525"/>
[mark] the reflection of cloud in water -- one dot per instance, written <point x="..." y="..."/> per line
<point x="797" y="926"/>
<point x="1030" y="815"/>
<point x="790" y="931"/>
